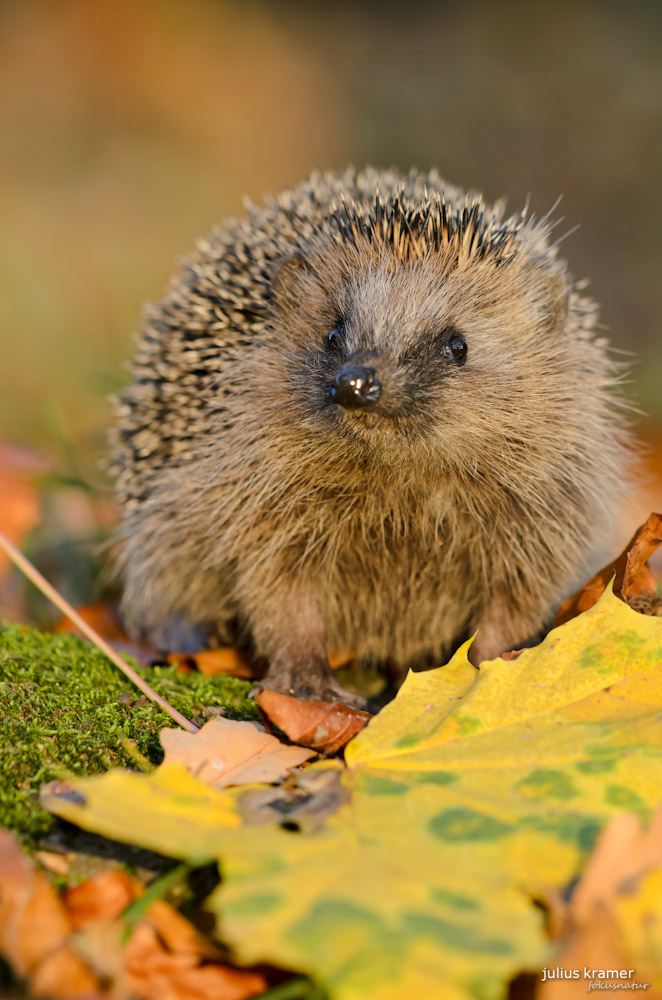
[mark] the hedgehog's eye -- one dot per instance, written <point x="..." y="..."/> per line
<point x="334" y="339"/>
<point x="455" y="347"/>
<point x="458" y="347"/>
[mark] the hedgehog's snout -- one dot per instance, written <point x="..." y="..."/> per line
<point x="356" y="387"/>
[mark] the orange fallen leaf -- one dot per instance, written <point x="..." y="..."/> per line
<point x="103" y="896"/>
<point x="225" y="752"/>
<point x="103" y="617"/>
<point x="337" y="660"/>
<point x="216" y="661"/>
<point x="35" y="929"/>
<point x="19" y="497"/>
<point x="63" y="946"/>
<point x="165" y="956"/>
<point x="153" y="970"/>
<point x="324" y="726"/>
<point x="632" y="579"/>
<point x="106" y="896"/>
<point x="234" y="662"/>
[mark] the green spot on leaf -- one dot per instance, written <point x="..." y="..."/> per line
<point x="545" y="783"/>
<point x="618" y="795"/>
<point x="572" y="829"/>
<point x="408" y="740"/>
<point x="591" y="657"/>
<point x="328" y="915"/>
<point x="466" y="824"/>
<point x="375" y="784"/>
<point x="453" y="935"/>
<point x="254" y="906"/>
<point x="467" y="724"/>
<point x="596" y="766"/>
<point x="453" y="899"/>
<point x="438" y="777"/>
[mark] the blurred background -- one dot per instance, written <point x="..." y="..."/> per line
<point x="128" y="129"/>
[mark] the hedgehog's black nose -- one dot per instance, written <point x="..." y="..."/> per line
<point x="355" y="387"/>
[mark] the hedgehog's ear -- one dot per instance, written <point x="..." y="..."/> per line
<point x="286" y="275"/>
<point x="549" y="287"/>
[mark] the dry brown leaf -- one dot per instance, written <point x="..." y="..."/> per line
<point x="165" y="956"/>
<point x="597" y="947"/>
<point x="58" y="864"/>
<point x="225" y="752"/>
<point x="152" y="970"/>
<point x="61" y="946"/>
<point x="104" y="897"/>
<point x="217" y="661"/>
<point x="178" y="933"/>
<point x="637" y="577"/>
<point x="35" y="929"/>
<point x="632" y="579"/>
<point x="512" y="654"/>
<point x="624" y="852"/>
<point x="64" y="975"/>
<point x="589" y="925"/>
<point x="324" y="726"/>
<point x="647" y="496"/>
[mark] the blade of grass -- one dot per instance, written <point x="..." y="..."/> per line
<point x="157" y="890"/>
<point x="294" y="989"/>
<point x="33" y="574"/>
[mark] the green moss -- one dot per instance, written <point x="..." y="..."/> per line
<point x="60" y="714"/>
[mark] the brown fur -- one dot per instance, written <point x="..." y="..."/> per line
<point x="471" y="498"/>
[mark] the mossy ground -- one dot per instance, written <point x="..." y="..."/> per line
<point x="60" y="715"/>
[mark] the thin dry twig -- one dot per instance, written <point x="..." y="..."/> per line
<point x="51" y="593"/>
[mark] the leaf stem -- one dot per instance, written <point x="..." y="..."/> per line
<point x="33" y="574"/>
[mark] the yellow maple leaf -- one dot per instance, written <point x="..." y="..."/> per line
<point x="471" y="794"/>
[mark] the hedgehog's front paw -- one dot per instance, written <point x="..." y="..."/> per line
<point x="312" y="682"/>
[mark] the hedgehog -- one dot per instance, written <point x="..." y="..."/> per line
<point x="372" y="415"/>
